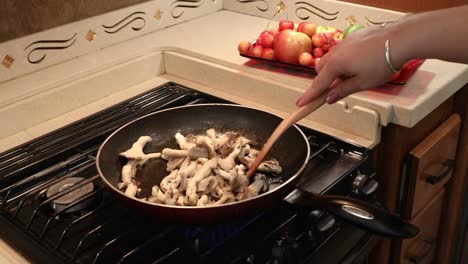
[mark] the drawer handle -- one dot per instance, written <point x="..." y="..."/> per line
<point x="448" y="166"/>
<point x="419" y="251"/>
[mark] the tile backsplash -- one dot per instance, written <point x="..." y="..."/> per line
<point x="36" y="51"/>
<point x="21" y="18"/>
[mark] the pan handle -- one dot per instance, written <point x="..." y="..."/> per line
<point x="362" y="214"/>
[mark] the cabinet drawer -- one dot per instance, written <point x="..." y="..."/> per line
<point x="430" y="165"/>
<point x="422" y="248"/>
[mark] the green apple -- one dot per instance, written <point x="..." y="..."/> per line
<point x="325" y="29"/>
<point x="351" y="29"/>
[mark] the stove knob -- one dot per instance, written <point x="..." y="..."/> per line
<point x="284" y="252"/>
<point x="365" y="185"/>
<point x="322" y="221"/>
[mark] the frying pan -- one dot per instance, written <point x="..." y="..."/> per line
<point x="292" y="151"/>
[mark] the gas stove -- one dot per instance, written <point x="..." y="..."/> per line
<point x="55" y="209"/>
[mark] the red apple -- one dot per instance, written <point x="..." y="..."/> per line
<point x="256" y="50"/>
<point x="318" y="39"/>
<point x="268" y="40"/>
<point x="289" y="44"/>
<point x="268" y="53"/>
<point x="315" y="62"/>
<point x="259" y="42"/>
<point x="306" y="59"/>
<point x="244" y="47"/>
<point x="307" y="28"/>
<point x="318" y="52"/>
<point x="286" y="24"/>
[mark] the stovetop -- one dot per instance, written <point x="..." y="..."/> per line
<point x="96" y="228"/>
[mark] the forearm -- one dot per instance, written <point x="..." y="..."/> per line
<point x="440" y="35"/>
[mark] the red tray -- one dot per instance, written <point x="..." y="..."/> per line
<point x="399" y="78"/>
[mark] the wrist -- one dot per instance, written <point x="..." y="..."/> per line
<point x="400" y="44"/>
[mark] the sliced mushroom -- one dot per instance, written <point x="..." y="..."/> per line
<point x="203" y="185"/>
<point x="198" y="152"/>
<point x="168" y="180"/>
<point x="185" y="142"/>
<point x="174" y="164"/>
<point x="226" y="198"/>
<point x="203" y="200"/>
<point x="202" y="173"/>
<point x="136" y="151"/>
<point x="170" y="154"/>
<point x="230" y="161"/>
<point x="260" y="183"/>
<point x="270" y="166"/>
<point x="131" y="190"/>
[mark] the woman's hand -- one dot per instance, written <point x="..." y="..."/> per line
<point x="356" y="64"/>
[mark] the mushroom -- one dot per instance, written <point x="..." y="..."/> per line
<point x="131" y="190"/>
<point x="168" y="180"/>
<point x="206" y="143"/>
<point x="170" y="154"/>
<point x="202" y="173"/>
<point x="203" y="184"/>
<point x="128" y="173"/>
<point x="203" y="200"/>
<point x="136" y="151"/>
<point x="260" y="183"/>
<point x="271" y="166"/>
<point x="198" y="152"/>
<point x="185" y="142"/>
<point x="226" y="198"/>
<point x="229" y="162"/>
<point x="174" y="164"/>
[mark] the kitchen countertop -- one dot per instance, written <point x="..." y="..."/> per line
<point x="212" y="38"/>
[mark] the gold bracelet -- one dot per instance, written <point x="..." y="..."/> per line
<point x="387" y="57"/>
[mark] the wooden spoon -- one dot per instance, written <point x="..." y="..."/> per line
<point x="297" y="115"/>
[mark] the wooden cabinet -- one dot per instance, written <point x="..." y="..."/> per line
<point x="430" y="165"/>
<point x="422" y="248"/>
<point x="418" y="168"/>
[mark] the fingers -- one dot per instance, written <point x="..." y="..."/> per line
<point x="343" y="89"/>
<point x="320" y="84"/>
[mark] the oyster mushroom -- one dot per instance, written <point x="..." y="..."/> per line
<point x="270" y="166"/>
<point x="136" y="151"/>
<point x="202" y="173"/>
<point x="230" y="161"/>
<point x="185" y="142"/>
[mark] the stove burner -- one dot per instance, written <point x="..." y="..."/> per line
<point x="67" y="199"/>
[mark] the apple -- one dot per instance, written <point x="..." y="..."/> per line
<point x="259" y="42"/>
<point x="307" y="28"/>
<point x="256" y="51"/>
<point x="244" y="47"/>
<point x="289" y="44"/>
<point x="306" y="59"/>
<point x="268" y="53"/>
<point x="319" y="39"/>
<point x="325" y="29"/>
<point x="337" y="37"/>
<point x="315" y="62"/>
<point x="351" y="29"/>
<point x="318" y="52"/>
<point x="268" y="40"/>
<point x="286" y="24"/>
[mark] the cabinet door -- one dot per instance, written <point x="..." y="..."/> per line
<point x="430" y="166"/>
<point x="422" y="248"/>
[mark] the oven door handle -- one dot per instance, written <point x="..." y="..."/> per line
<point x="359" y="213"/>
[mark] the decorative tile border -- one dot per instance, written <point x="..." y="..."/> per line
<point x="324" y="12"/>
<point x="43" y="49"/>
